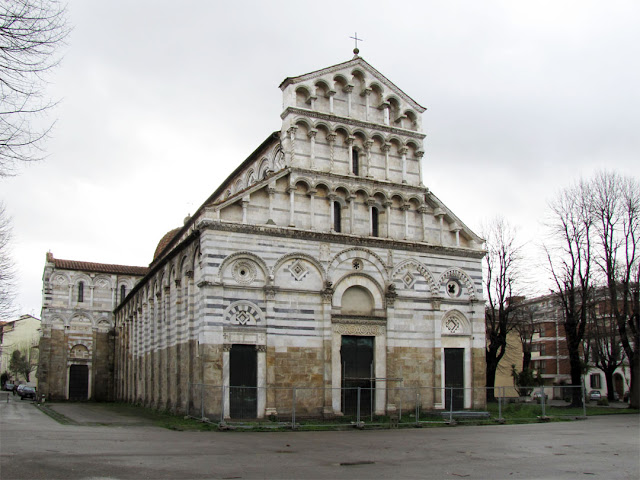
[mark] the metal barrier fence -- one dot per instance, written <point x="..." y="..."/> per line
<point x="303" y="407"/>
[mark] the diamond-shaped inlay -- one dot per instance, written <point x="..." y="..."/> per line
<point x="408" y="279"/>
<point x="243" y="318"/>
<point x="452" y="324"/>
<point x="298" y="270"/>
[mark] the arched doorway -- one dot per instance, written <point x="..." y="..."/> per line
<point x="358" y="346"/>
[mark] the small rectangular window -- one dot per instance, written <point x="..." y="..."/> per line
<point x="337" y="217"/>
<point x="80" y="292"/>
<point x="595" y="380"/>
<point x="374" y="222"/>
<point x="355" y="163"/>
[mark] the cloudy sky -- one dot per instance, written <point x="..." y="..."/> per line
<point x="160" y="100"/>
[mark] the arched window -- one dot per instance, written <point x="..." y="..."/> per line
<point x="80" y="292"/>
<point x="355" y="163"/>
<point x="337" y="217"/>
<point x="375" y="232"/>
<point x="123" y="292"/>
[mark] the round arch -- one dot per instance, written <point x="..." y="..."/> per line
<point x="361" y="280"/>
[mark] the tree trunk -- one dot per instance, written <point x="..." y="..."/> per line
<point x="608" y="376"/>
<point x="576" y="377"/>
<point x="634" y="390"/>
<point x="492" y="366"/>
<point x="526" y="361"/>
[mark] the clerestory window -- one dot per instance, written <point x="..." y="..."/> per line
<point x="337" y="217"/>
<point x="375" y="232"/>
<point x="355" y="162"/>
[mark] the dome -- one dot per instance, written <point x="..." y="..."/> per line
<point x="164" y="241"/>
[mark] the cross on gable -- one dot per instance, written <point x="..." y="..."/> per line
<point x="356" y="50"/>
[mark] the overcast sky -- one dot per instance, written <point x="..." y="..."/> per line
<point x="161" y="100"/>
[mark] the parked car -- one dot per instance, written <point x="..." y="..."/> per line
<point x="595" y="395"/>
<point x="9" y="386"/>
<point x="19" y="388"/>
<point x="27" y="392"/>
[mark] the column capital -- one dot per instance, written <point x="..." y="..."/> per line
<point x="331" y="137"/>
<point x="403" y="150"/>
<point x="312" y="133"/>
<point x="386" y="147"/>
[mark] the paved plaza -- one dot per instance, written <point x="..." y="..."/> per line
<point x="34" y="446"/>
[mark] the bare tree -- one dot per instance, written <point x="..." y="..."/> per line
<point x="7" y="271"/>
<point x="524" y="316"/>
<point x="569" y="253"/>
<point x="501" y="271"/>
<point x="602" y="347"/>
<point x="616" y="211"/>
<point x="30" y="33"/>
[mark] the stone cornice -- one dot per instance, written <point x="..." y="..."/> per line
<point x="359" y="181"/>
<point x="351" y="121"/>
<point x="341" y="238"/>
<point x="358" y="319"/>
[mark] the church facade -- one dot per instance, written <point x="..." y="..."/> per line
<point x="322" y="263"/>
<point x="322" y="258"/>
<point x="76" y="340"/>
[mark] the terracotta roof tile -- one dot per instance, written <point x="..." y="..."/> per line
<point x="96" y="267"/>
<point x="164" y="242"/>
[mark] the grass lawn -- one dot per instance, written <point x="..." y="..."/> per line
<point x="511" y="413"/>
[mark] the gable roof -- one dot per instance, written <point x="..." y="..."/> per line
<point x="356" y="61"/>
<point x="165" y="247"/>
<point x="96" y="267"/>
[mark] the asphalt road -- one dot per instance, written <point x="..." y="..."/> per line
<point x="34" y="446"/>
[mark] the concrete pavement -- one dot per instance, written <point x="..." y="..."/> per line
<point x="34" y="446"/>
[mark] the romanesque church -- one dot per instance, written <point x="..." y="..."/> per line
<point x="322" y="263"/>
